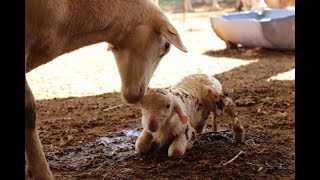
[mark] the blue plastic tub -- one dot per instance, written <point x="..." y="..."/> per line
<point x="274" y="28"/>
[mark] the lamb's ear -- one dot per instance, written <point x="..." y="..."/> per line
<point x="182" y="116"/>
<point x="211" y="94"/>
<point x="170" y="32"/>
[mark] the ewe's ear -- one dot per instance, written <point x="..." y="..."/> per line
<point x="170" y="32"/>
<point x="182" y="116"/>
<point x="109" y="47"/>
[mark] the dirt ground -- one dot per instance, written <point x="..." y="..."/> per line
<point x="88" y="133"/>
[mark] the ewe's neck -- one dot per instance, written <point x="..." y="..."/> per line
<point x="94" y="21"/>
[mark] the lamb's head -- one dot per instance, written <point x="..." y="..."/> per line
<point x="158" y="106"/>
<point x="139" y="54"/>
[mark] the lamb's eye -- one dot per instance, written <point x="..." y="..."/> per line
<point x="168" y="106"/>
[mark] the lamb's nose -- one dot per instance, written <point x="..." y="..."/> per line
<point x="152" y="126"/>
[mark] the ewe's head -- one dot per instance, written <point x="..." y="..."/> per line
<point x="140" y="51"/>
<point x="158" y="106"/>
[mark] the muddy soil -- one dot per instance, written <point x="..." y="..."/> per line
<point x="92" y="137"/>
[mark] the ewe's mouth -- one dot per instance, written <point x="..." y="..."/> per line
<point x="131" y="100"/>
<point x="133" y="94"/>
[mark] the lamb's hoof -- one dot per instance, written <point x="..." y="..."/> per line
<point x="215" y="129"/>
<point x="238" y="139"/>
<point x="142" y="148"/>
<point x="238" y="134"/>
<point x="175" y="153"/>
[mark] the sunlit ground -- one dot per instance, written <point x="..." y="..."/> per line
<point x="92" y="70"/>
<point x="289" y="75"/>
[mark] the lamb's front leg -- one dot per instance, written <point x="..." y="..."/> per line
<point x="178" y="146"/>
<point x="144" y="142"/>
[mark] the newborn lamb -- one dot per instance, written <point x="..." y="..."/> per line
<point x="173" y="116"/>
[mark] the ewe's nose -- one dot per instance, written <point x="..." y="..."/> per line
<point x="133" y="94"/>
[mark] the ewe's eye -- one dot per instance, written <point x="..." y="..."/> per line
<point x="168" y="106"/>
<point x="165" y="49"/>
<point x="166" y="46"/>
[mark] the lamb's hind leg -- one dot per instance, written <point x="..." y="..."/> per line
<point x="237" y="128"/>
<point x="37" y="166"/>
<point x="214" y="121"/>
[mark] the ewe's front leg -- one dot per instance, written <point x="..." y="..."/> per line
<point x="178" y="146"/>
<point x="237" y="128"/>
<point x="144" y="142"/>
<point x="37" y="166"/>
